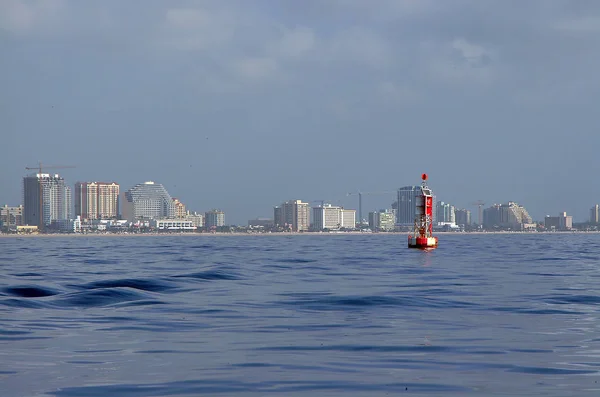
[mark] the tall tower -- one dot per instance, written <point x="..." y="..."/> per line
<point x="97" y="200"/>
<point x="595" y="214"/>
<point x="46" y="198"/>
<point x="293" y="214"/>
<point x="405" y="213"/>
<point x="214" y="218"/>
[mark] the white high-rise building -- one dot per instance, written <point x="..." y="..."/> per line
<point x="331" y="217"/>
<point x="348" y="218"/>
<point x="445" y="213"/>
<point x="46" y="200"/>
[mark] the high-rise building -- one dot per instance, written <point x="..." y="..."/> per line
<point x="147" y="200"/>
<point x="180" y="211"/>
<point x="560" y="222"/>
<point x="506" y="216"/>
<point x="214" y="219"/>
<point x="594" y="214"/>
<point x="348" y="218"/>
<point x="382" y="220"/>
<point x="445" y="213"/>
<point x="331" y="217"/>
<point x="327" y="217"/>
<point x="108" y="200"/>
<point x="46" y="199"/>
<point x="463" y="217"/>
<point x="97" y="200"/>
<point x="292" y="214"/>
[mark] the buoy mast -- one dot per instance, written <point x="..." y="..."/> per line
<point x="422" y="236"/>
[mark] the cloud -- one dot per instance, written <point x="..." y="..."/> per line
<point x="22" y="16"/>
<point x="472" y="54"/>
<point x="358" y="46"/>
<point x="396" y="94"/>
<point x="255" y="68"/>
<point x="584" y="24"/>
<point x="197" y="28"/>
<point x="293" y="43"/>
<point x="458" y="61"/>
<point x="381" y="10"/>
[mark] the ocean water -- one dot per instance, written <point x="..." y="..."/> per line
<point x="337" y="315"/>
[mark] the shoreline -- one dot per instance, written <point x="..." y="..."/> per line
<point x="282" y="234"/>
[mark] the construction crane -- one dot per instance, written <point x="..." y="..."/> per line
<point x="479" y="204"/>
<point x="40" y="168"/>
<point x="360" y="194"/>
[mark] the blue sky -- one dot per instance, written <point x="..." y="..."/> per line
<point x="241" y="105"/>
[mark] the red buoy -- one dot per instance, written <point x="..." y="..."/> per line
<point x="423" y="230"/>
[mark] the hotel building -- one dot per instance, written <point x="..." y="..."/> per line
<point x="147" y="200"/>
<point x="292" y="214"/>
<point x="97" y="200"/>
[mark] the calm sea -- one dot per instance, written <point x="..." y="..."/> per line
<point x="338" y="315"/>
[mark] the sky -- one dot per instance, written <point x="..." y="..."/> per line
<point x="241" y="105"/>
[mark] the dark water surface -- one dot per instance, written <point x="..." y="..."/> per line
<point x="340" y="315"/>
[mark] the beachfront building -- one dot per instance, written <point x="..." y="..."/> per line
<point x="561" y="222"/>
<point x="510" y="216"/>
<point x="179" y="208"/>
<point x="172" y="224"/>
<point x="292" y="215"/>
<point x="46" y="200"/>
<point x="265" y="223"/>
<point x="594" y="214"/>
<point x="348" y="218"/>
<point x="331" y="217"/>
<point x="382" y="220"/>
<point x="445" y="213"/>
<point x="214" y="218"/>
<point x="147" y="200"/>
<point x="196" y="218"/>
<point x="11" y="217"/>
<point x="97" y="200"/>
<point x="463" y="217"/>
<point x="327" y="217"/>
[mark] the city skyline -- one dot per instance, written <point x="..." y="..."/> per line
<point x="173" y="207"/>
<point x="274" y="100"/>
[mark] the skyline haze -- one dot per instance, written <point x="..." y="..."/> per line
<point x="243" y="105"/>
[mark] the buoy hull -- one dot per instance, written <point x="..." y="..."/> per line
<point x="422" y="242"/>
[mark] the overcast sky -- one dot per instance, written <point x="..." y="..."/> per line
<point x="241" y="105"/>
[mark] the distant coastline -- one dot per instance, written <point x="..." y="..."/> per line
<point x="282" y="234"/>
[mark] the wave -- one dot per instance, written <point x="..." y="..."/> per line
<point x="29" y="291"/>
<point x="341" y="302"/>
<point x="134" y="283"/>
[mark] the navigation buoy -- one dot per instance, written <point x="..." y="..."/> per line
<point x="422" y="236"/>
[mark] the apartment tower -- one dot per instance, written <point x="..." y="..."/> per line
<point x="292" y="214"/>
<point x="97" y="200"/>
<point x="46" y="199"/>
